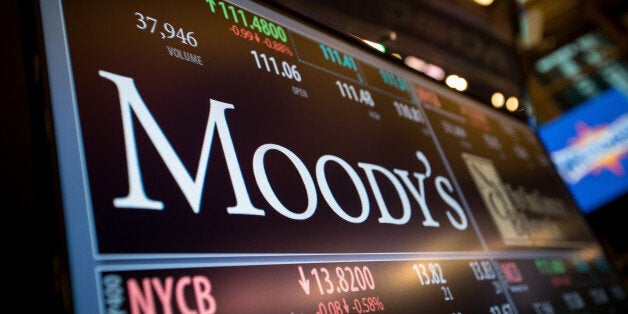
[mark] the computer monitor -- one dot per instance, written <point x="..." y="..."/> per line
<point x="231" y="157"/>
<point x="589" y="146"/>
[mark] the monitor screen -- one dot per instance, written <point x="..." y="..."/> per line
<point x="589" y="146"/>
<point x="230" y="157"/>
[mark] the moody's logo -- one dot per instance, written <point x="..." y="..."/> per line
<point x="594" y="149"/>
<point x="407" y="185"/>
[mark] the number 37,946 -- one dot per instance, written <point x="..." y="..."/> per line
<point x="165" y="30"/>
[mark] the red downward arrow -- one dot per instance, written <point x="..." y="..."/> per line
<point x="305" y="283"/>
<point x="346" y="306"/>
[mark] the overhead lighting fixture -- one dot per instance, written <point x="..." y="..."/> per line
<point x="498" y="100"/>
<point x="456" y="82"/>
<point x="512" y="104"/>
<point x="415" y="63"/>
<point x="428" y="69"/>
<point x="485" y="3"/>
<point x="396" y="55"/>
<point x="435" y="72"/>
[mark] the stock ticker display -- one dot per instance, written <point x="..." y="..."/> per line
<point x="224" y="157"/>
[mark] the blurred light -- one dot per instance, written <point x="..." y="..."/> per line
<point x="456" y="82"/>
<point x="396" y="55"/>
<point x="498" y="100"/>
<point x="435" y="72"/>
<point x="381" y="48"/>
<point x="451" y="81"/>
<point x="415" y="63"/>
<point x="428" y="69"/>
<point x="531" y="24"/>
<point x="392" y="36"/>
<point x="512" y="104"/>
<point x="484" y="2"/>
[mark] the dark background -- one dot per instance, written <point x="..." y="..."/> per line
<point x="33" y="231"/>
